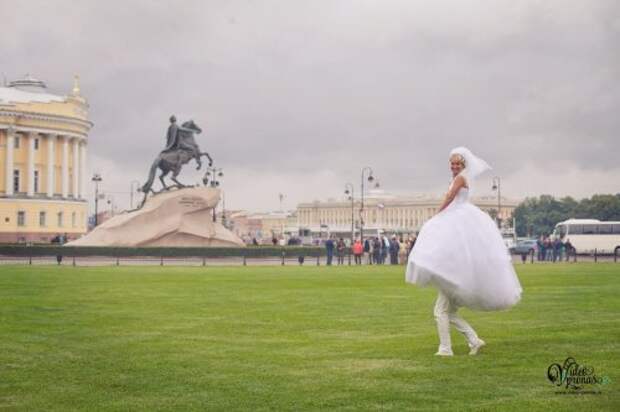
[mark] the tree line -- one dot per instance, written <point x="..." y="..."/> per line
<point x="537" y="216"/>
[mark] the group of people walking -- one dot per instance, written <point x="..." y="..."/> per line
<point x="374" y="250"/>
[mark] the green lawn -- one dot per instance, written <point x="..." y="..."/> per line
<point x="293" y="338"/>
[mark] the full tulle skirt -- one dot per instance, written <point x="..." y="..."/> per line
<point x="460" y="251"/>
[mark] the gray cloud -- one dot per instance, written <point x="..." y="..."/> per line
<point x="297" y="96"/>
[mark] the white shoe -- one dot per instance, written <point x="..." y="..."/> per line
<point x="444" y="353"/>
<point x="476" y="348"/>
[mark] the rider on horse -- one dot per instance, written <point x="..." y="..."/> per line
<point x="172" y="137"/>
<point x="181" y="147"/>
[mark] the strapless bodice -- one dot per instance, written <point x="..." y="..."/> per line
<point x="462" y="196"/>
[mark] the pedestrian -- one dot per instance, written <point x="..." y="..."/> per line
<point x="340" y="248"/>
<point x="548" y="249"/>
<point x="540" y="248"/>
<point x="385" y="248"/>
<point x="557" y="252"/>
<point x="569" y="248"/>
<point x="367" y="247"/>
<point x="393" y="248"/>
<point x="376" y="251"/>
<point x="403" y="251"/>
<point x="329" y="248"/>
<point x="358" y="250"/>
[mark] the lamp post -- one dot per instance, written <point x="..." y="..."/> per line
<point x="223" y="209"/>
<point x="96" y="178"/>
<point x="349" y="191"/>
<point x="131" y="191"/>
<point x="213" y="173"/>
<point x="370" y="178"/>
<point x="111" y="203"/>
<point x="497" y="186"/>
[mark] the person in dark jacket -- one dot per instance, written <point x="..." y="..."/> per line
<point x="367" y="251"/>
<point x="557" y="246"/>
<point x="394" y="248"/>
<point x="329" y="248"/>
<point x="568" y="247"/>
<point x="340" y="248"/>
<point x="376" y="250"/>
<point x="540" y="248"/>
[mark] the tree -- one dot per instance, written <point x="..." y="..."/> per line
<point x="538" y="216"/>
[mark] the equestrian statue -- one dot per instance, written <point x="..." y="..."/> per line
<point x="181" y="147"/>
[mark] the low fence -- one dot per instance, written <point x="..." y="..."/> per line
<point x="93" y="256"/>
<point x="219" y="256"/>
<point x="594" y="256"/>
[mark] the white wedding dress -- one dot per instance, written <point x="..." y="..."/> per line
<point x="460" y="251"/>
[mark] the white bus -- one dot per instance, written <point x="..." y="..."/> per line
<point x="586" y="235"/>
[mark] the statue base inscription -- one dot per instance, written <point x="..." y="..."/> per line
<point x="178" y="218"/>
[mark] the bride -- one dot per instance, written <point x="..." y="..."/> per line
<point x="461" y="253"/>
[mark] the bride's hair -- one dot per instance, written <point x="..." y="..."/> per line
<point x="460" y="159"/>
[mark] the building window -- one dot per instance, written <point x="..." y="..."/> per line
<point x="36" y="181"/>
<point x="60" y="219"/>
<point x="73" y="219"/>
<point x="16" y="142"/>
<point x="21" y="218"/>
<point x="36" y="143"/>
<point x="16" y="180"/>
<point x="42" y="217"/>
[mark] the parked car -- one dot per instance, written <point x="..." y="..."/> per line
<point x="524" y="247"/>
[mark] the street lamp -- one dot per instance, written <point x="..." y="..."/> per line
<point x="110" y="202"/>
<point x="213" y="173"/>
<point x="370" y="178"/>
<point x="497" y="186"/>
<point x="131" y="191"/>
<point x="223" y="209"/>
<point x="349" y="191"/>
<point x="96" y="178"/>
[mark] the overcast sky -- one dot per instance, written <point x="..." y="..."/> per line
<point x="295" y="97"/>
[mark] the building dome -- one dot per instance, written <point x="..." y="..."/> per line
<point x="29" y="84"/>
<point x="28" y="90"/>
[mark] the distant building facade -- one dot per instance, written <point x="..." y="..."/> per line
<point x="384" y="213"/>
<point x="261" y="226"/>
<point x="43" y="148"/>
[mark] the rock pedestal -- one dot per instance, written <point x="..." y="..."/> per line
<point x="179" y="218"/>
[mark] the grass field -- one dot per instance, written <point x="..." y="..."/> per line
<point x="294" y="338"/>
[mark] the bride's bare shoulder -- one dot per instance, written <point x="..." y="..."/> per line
<point x="460" y="181"/>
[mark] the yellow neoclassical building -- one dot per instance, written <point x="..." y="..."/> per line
<point x="43" y="140"/>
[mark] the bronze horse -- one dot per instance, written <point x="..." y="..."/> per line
<point x="172" y="160"/>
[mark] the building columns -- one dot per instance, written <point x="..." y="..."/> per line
<point x="76" y="168"/>
<point x="83" y="170"/>
<point x="65" y="167"/>
<point x="51" y="160"/>
<point x="8" y="172"/>
<point x="30" y="164"/>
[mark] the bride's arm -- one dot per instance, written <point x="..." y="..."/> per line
<point x="456" y="185"/>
